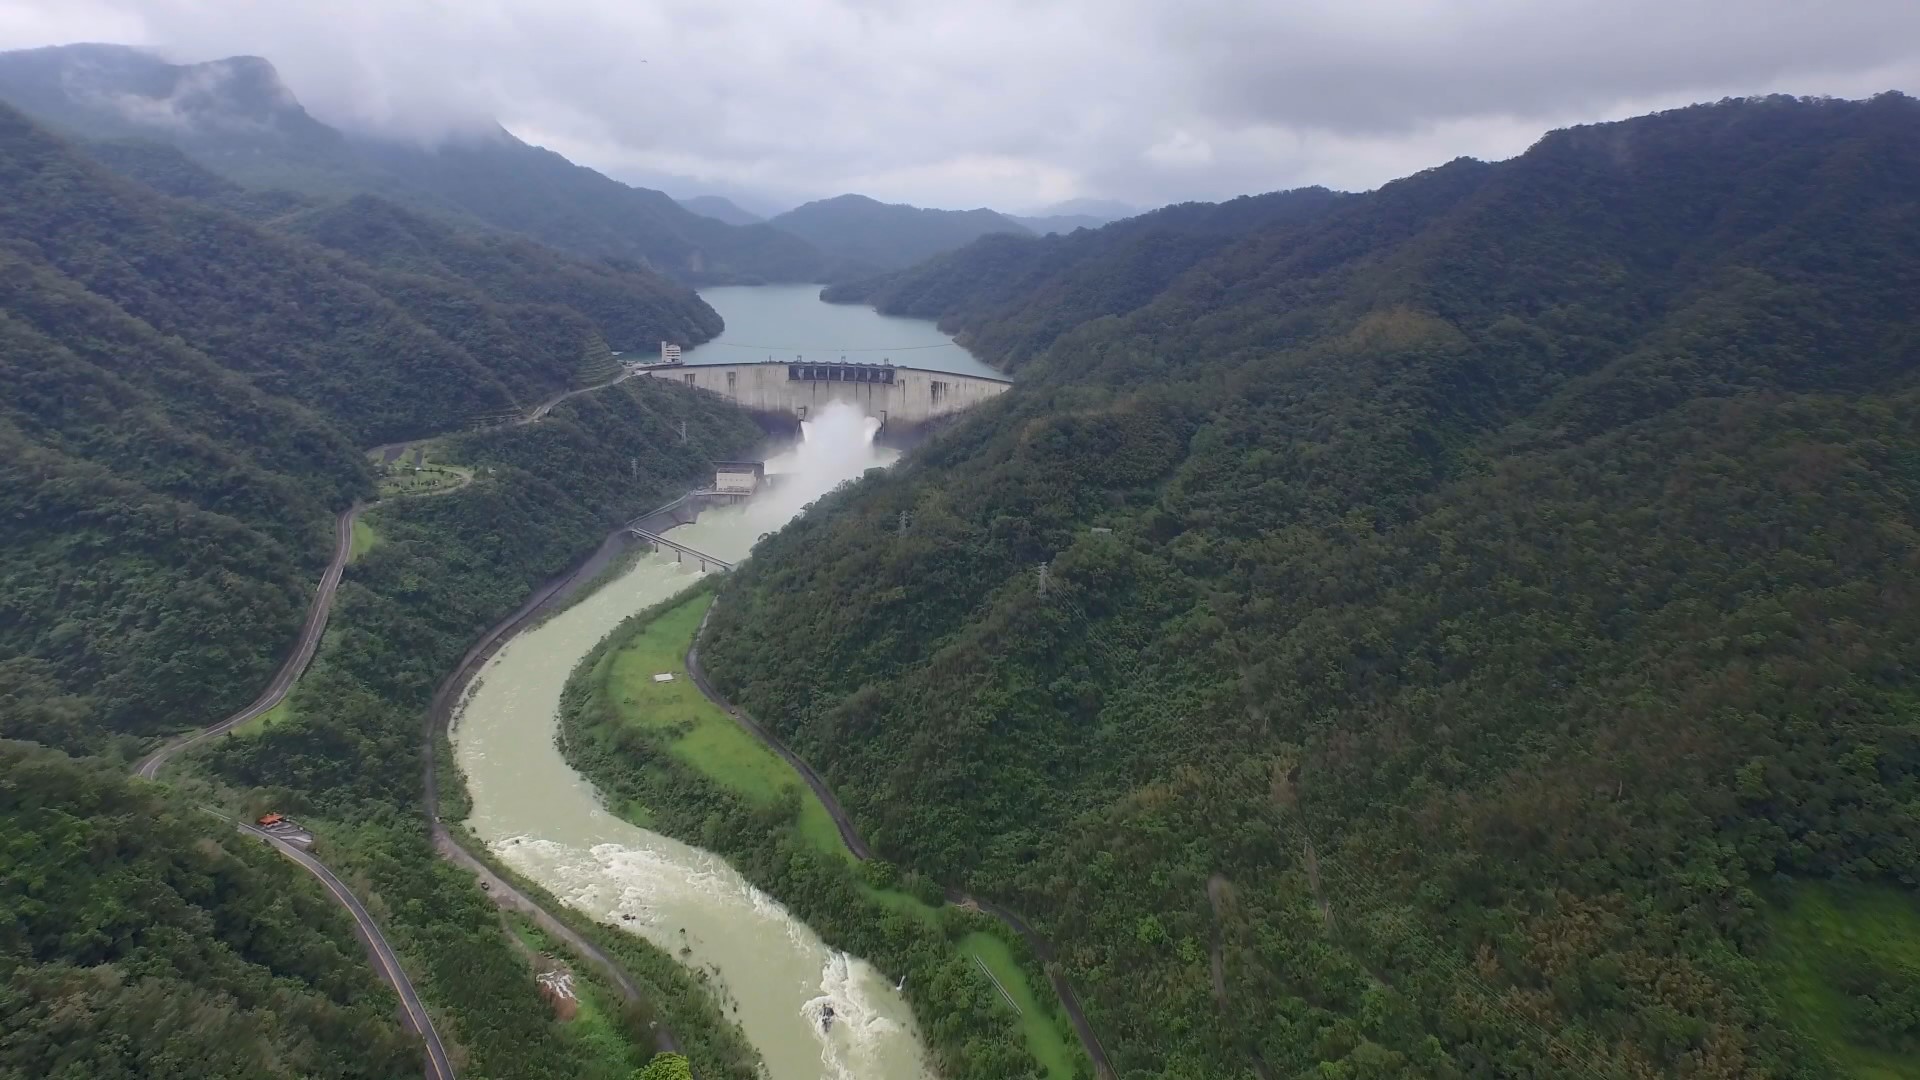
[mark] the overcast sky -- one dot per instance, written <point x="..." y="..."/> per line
<point x="1014" y="103"/>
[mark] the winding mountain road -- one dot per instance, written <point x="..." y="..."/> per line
<point x="384" y="960"/>
<point x="289" y="672"/>
<point x="148" y="768"/>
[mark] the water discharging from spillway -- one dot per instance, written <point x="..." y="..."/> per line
<point x="546" y="821"/>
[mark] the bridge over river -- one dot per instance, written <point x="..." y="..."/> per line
<point x="897" y="396"/>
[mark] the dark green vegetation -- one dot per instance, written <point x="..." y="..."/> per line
<point x="663" y="751"/>
<point x="347" y="756"/>
<point x="1435" y="633"/>
<point x="1846" y="962"/>
<point x="235" y="117"/>
<point x="185" y="394"/>
<point x="884" y="236"/>
<point x="142" y="938"/>
<point x="1009" y="298"/>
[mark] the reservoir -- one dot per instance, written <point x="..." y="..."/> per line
<point x="788" y="322"/>
<point x="775" y="976"/>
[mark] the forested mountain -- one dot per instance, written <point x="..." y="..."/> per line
<point x="883" y="236"/>
<point x="187" y="396"/>
<point x="630" y="307"/>
<point x="1437" y="632"/>
<point x="193" y="954"/>
<point x="1058" y="223"/>
<point x="237" y="118"/>
<point x="721" y="208"/>
<point x="1009" y="297"/>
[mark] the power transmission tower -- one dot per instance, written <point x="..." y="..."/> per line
<point x="683" y="431"/>
<point x="1044" y="567"/>
<point x="906" y="519"/>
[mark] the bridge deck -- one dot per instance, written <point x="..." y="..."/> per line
<point x="679" y="548"/>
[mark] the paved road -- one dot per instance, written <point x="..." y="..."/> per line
<point x="504" y="893"/>
<point x="148" y="768"/>
<point x="849" y="835"/>
<point x="438" y="1067"/>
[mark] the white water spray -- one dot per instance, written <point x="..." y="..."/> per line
<point x="836" y="446"/>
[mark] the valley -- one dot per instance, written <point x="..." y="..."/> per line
<point x="1453" y="628"/>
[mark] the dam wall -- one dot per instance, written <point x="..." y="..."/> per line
<point x="896" y="396"/>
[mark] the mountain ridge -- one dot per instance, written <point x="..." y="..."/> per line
<point x="867" y="232"/>
<point x="235" y="117"/>
<point x="1485" y="590"/>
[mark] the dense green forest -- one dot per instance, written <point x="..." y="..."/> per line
<point x="898" y="923"/>
<point x="187" y="395"/>
<point x="238" y="119"/>
<point x="886" y="236"/>
<point x="1009" y="297"/>
<point x="1436" y="632"/>
<point x="348" y="753"/>
<point x="142" y="938"/>
<point x="190" y="395"/>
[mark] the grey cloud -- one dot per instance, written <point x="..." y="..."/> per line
<point x="1014" y="102"/>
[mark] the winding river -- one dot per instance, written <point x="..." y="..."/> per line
<point x="547" y="822"/>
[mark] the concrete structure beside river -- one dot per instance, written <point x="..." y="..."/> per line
<point x="896" y="396"/>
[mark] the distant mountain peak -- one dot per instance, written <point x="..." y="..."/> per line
<point x="866" y="231"/>
<point x="132" y="91"/>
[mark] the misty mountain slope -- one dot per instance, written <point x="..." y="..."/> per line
<point x="187" y="396"/>
<point x="631" y="307"/>
<point x="1010" y="297"/>
<point x="235" y="117"/>
<point x="721" y="208"/>
<point x="508" y="184"/>
<point x="1059" y="223"/>
<point x="290" y="316"/>
<point x="1498" y="613"/>
<point x="883" y="236"/>
<point x="627" y="307"/>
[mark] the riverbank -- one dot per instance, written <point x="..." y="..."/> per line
<point x="663" y="751"/>
<point x="812" y="1012"/>
<point x="349" y="756"/>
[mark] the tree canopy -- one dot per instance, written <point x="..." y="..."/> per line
<point x="1415" y="634"/>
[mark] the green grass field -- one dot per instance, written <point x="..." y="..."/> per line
<point x="1821" y="932"/>
<point x="1044" y="1037"/>
<point x="400" y="479"/>
<point x="703" y="736"/>
<point x="364" y="537"/>
<point x="698" y="732"/>
<point x="269" y="718"/>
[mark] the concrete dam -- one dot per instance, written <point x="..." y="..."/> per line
<point x="901" y="398"/>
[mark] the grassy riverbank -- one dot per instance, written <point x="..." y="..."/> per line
<point x="673" y="761"/>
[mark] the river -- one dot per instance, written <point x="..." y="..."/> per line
<point x="546" y="821"/>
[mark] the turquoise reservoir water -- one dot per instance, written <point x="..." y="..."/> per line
<point x="787" y="322"/>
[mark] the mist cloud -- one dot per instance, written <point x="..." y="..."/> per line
<point x="1013" y="103"/>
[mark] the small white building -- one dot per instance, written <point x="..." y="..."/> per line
<point x="738" y="476"/>
<point x="669" y="353"/>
